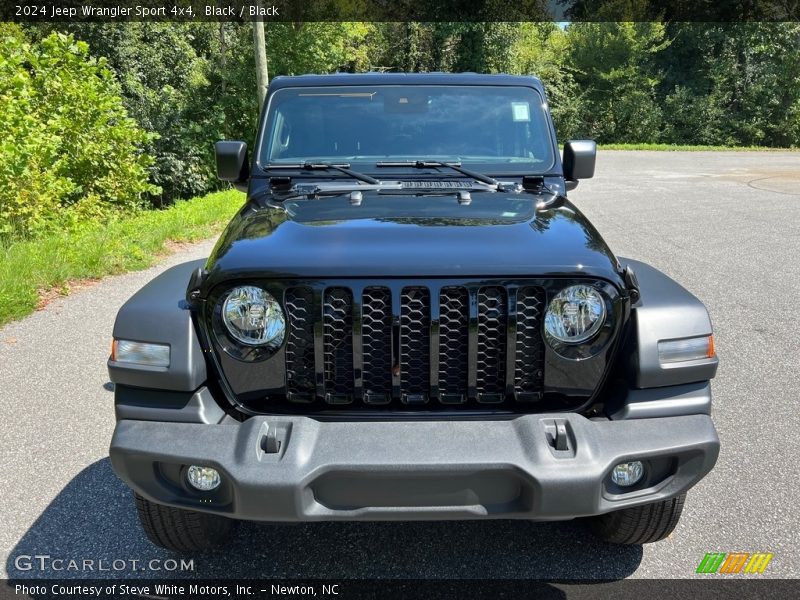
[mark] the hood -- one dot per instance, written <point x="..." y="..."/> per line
<point x="404" y="235"/>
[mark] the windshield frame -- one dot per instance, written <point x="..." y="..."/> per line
<point x="509" y="169"/>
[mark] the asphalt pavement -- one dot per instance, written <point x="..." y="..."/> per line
<point x="724" y="225"/>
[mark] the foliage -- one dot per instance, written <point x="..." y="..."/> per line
<point x="163" y="71"/>
<point x="444" y="46"/>
<point x="743" y="87"/>
<point x="67" y="146"/>
<point x="28" y="267"/>
<point x="297" y="48"/>
<point x="612" y="63"/>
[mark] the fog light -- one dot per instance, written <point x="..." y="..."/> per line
<point x="204" y="479"/>
<point x="628" y="473"/>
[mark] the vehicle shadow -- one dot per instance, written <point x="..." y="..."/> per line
<point x="93" y="519"/>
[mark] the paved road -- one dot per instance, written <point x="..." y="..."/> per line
<point x="726" y="225"/>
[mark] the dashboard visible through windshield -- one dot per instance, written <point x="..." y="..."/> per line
<point x="501" y="128"/>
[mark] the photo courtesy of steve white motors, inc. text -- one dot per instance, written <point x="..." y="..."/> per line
<point x="172" y="590"/>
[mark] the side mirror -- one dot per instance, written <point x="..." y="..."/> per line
<point x="579" y="159"/>
<point x="232" y="163"/>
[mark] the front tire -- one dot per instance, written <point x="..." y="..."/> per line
<point x="181" y="530"/>
<point x="639" y="524"/>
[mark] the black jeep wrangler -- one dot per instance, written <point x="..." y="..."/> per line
<point x="408" y="319"/>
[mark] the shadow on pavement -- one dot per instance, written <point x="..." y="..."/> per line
<point x="93" y="519"/>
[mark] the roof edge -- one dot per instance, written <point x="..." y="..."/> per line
<point x="378" y="78"/>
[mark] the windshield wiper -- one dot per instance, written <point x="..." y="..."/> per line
<point x="423" y="164"/>
<point x="342" y="168"/>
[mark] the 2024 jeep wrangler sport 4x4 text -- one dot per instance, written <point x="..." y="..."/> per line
<point x="407" y="319"/>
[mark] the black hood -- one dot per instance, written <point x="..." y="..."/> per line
<point x="403" y="235"/>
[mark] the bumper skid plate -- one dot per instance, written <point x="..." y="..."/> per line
<point x="544" y="467"/>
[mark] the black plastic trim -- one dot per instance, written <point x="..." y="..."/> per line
<point x="159" y="405"/>
<point x="159" y="313"/>
<point x="666" y="311"/>
<point x="670" y="401"/>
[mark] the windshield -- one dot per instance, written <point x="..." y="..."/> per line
<point x="503" y="128"/>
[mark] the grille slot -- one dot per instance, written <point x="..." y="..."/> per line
<point x="491" y="361"/>
<point x="529" y="359"/>
<point x="300" y="385"/>
<point x="376" y="332"/>
<point x="415" y="344"/>
<point x="453" y="340"/>
<point x="337" y="339"/>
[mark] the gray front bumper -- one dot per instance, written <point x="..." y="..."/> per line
<point x="412" y="469"/>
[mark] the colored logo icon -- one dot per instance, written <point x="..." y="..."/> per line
<point x="734" y="562"/>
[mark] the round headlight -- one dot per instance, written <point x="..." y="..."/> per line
<point x="575" y="314"/>
<point x="253" y="317"/>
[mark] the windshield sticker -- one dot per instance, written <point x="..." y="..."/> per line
<point x="509" y="214"/>
<point x="521" y="111"/>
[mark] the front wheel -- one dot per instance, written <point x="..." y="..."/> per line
<point x="181" y="530"/>
<point x="639" y="524"/>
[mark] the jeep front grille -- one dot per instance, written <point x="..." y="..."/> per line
<point x="415" y="345"/>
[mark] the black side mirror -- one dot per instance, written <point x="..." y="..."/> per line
<point x="579" y="159"/>
<point x="232" y="163"/>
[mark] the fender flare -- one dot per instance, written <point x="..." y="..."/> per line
<point x="665" y="311"/>
<point x="158" y="313"/>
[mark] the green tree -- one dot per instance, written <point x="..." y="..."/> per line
<point x="743" y="87"/>
<point x="67" y="145"/>
<point x="321" y="47"/>
<point x="163" y="72"/>
<point x="614" y="69"/>
<point x="482" y="47"/>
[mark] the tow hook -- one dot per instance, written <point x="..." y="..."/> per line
<point x="273" y="439"/>
<point x="559" y="437"/>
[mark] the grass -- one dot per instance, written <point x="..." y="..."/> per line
<point x="40" y="267"/>
<point x="693" y="148"/>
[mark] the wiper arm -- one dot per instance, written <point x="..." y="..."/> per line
<point x="422" y="164"/>
<point x="342" y="168"/>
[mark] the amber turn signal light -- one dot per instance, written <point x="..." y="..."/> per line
<point x="697" y="348"/>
